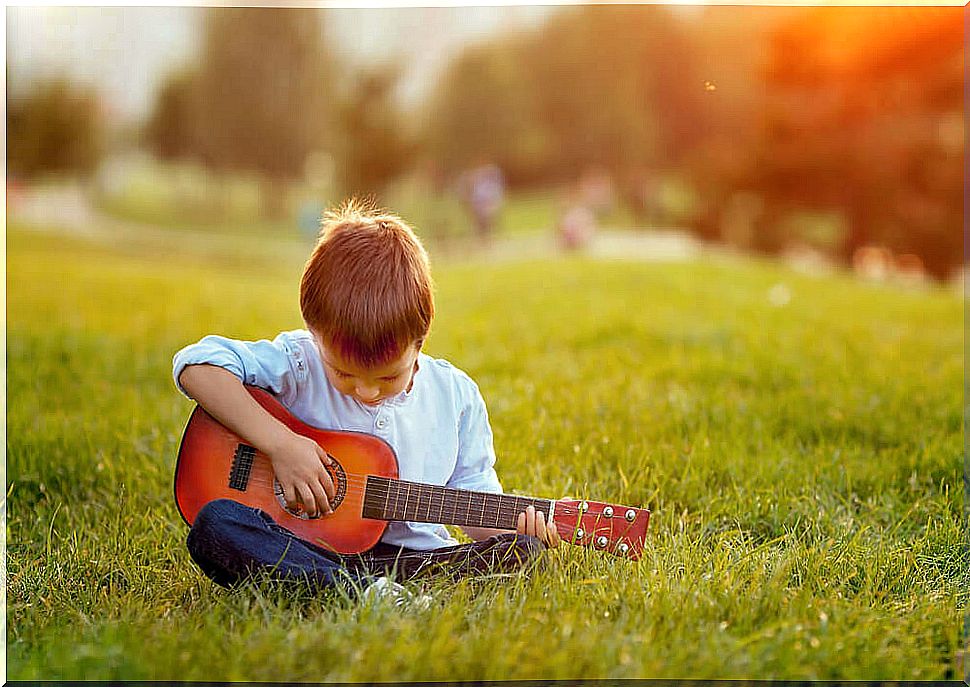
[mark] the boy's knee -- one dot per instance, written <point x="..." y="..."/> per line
<point x="216" y="513"/>
<point x="220" y="521"/>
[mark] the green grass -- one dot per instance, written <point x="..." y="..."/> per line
<point x="802" y="464"/>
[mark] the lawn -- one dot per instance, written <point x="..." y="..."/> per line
<point x="802" y="463"/>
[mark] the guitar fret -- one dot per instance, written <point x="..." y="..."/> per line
<point x="372" y="492"/>
<point x="374" y="506"/>
<point x="509" y="515"/>
<point x="416" y="505"/>
<point x="389" y="511"/>
<point x="387" y="500"/>
<point x="485" y="511"/>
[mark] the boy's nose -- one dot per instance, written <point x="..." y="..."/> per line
<point x="367" y="393"/>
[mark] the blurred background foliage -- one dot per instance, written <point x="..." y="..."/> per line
<point x="770" y="129"/>
<point x="55" y="129"/>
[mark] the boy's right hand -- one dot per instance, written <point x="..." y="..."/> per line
<point x="298" y="462"/>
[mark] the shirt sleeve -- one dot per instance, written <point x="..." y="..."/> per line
<point x="475" y="468"/>
<point x="273" y="365"/>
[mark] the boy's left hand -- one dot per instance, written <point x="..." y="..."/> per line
<point x="533" y="523"/>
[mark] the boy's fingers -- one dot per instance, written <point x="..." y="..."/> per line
<point x="324" y="456"/>
<point x="322" y="502"/>
<point x="541" y="526"/>
<point x="553" y="533"/>
<point x="306" y="496"/>
<point x="530" y="521"/>
<point x="552" y="536"/>
<point x="328" y="485"/>
<point x="289" y="495"/>
<point x="521" y="524"/>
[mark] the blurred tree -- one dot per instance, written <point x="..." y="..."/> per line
<point x="55" y="128"/>
<point x="485" y="108"/>
<point x="618" y="87"/>
<point x="370" y="145"/>
<point x="170" y="132"/>
<point x="864" y="116"/>
<point x="728" y="45"/>
<point x="261" y="98"/>
<point x="605" y="86"/>
<point x="592" y="90"/>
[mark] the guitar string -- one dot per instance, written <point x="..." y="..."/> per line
<point x="360" y="479"/>
<point x="381" y="490"/>
<point x="357" y="483"/>
<point x="494" y="512"/>
<point x="417" y="491"/>
<point x="360" y="485"/>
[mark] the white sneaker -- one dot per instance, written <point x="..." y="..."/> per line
<point x="384" y="588"/>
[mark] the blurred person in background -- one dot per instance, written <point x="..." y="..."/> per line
<point x="596" y="191"/>
<point x="577" y="221"/>
<point x="483" y="190"/>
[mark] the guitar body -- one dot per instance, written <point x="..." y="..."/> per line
<point x="214" y="463"/>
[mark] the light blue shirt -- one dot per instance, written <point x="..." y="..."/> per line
<point x="439" y="429"/>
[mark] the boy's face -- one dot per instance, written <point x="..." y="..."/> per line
<point x="369" y="385"/>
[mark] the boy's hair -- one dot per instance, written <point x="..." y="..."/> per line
<point x="367" y="289"/>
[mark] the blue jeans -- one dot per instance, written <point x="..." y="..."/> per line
<point x="230" y="542"/>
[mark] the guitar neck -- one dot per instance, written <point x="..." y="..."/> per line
<point x="391" y="499"/>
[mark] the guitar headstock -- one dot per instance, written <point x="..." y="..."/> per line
<point x="619" y="530"/>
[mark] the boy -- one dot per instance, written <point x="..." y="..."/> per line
<point x="366" y="298"/>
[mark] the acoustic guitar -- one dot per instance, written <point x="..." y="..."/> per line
<point x="215" y="463"/>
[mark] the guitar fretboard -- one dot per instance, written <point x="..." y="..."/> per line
<point x="391" y="499"/>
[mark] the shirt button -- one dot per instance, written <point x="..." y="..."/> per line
<point x="381" y="423"/>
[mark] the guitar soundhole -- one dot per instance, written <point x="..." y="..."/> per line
<point x="339" y="478"/>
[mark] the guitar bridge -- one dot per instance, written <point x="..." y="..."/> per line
<point x="242" y="466"/>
